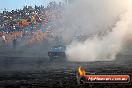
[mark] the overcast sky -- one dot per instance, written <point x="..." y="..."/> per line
<point x="18" y="4"/>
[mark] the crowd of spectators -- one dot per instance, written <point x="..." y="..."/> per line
<point x="29" y="24"/>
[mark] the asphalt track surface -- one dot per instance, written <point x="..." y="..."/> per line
<point x="35" y="72"/>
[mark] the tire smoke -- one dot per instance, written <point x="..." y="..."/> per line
<point x="109" y="23"/>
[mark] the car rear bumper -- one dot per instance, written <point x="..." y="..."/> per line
<point x="56" y="54"/>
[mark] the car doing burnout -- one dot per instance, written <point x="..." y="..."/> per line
<point x="57" y="52"/>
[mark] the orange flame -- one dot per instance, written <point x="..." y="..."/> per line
<point x="81" y="71"/>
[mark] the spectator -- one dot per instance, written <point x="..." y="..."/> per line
<point x="29" y="24"/>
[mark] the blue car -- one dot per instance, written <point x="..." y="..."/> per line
<point x="57" y="52"/>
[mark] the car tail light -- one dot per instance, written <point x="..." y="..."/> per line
<point x="49" y="53"/>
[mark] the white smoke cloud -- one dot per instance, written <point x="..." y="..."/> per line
<point x="104" y="49"/>
<point x="86" y="17"/>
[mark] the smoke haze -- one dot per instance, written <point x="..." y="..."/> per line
<point x="107" y="22"/>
